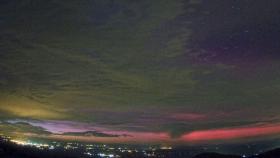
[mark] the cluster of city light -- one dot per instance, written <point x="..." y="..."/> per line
<point x="103" y="155"/>
<point x="166" y="148"/>
<point x="105" y="151"/>
<point x="151" y="152"/>
<point x="38" y="145"/>
<point x="106" y="155"/>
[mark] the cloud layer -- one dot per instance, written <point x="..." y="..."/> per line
<point x="168" y="67"/>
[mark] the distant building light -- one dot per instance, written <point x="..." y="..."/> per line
<point x="166" y="148"/>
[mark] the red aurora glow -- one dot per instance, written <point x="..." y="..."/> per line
<point x="231" y="133"/>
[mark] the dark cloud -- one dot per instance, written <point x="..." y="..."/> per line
<point x="92" y="133"/>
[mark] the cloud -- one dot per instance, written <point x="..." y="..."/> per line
<point x="92" y="133"/>
<point x="23" y="107"/>
<point x="19" y="129"/>
<point x="127" y="137"/>
<point x="131" y="66"/>
<point x="53" y="68"/>
<point x="189" y="116"/>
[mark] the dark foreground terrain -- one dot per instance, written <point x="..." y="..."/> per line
<point x="11" y="150"/>
<point x="269" y="154"/>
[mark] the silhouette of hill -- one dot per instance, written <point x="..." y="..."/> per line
<point x="275" y="153"/>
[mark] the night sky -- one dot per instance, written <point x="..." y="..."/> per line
<point x="141" y="71"/>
